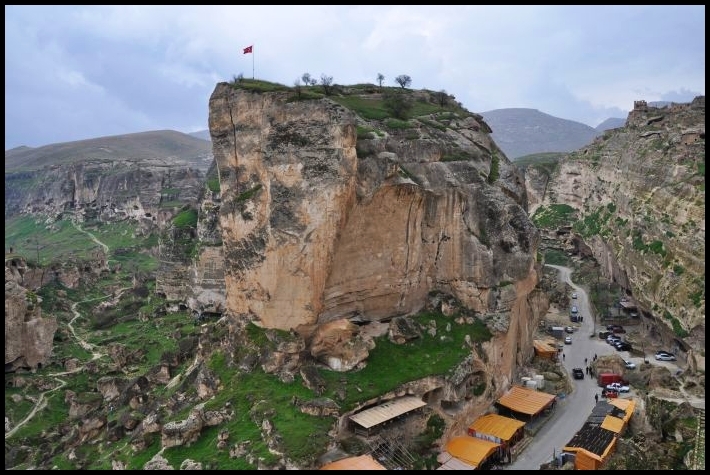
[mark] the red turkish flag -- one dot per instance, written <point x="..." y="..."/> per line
<point x="248" y="49"/>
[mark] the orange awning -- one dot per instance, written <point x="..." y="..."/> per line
<point x="496" y="425"/>
<point x="526" y="401"/>
<point x="471" y="450"/>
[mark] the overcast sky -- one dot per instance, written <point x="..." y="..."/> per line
<point x="78" y="72"/>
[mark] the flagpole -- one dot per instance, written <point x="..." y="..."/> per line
<point x="252" y="62"/>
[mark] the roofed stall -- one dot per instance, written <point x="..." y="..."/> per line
<point x="473" y="451"/>
<point x="499" y="429"/>
<point x="369" y="419"/>
<point x="528" y="402"/>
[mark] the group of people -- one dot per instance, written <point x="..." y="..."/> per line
<point x="590" y="369"/>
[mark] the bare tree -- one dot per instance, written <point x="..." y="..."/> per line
<point x="326" y="82"/>
<point x="306" y="77"/>
<point x="403" y="80"/>
<point x="380" y="79"/>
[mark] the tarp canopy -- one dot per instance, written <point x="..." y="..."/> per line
<point x="496" y="425"/>
<point x="362" y="462"/>
<point x="471" y="450"/>
<point x="386" y="411"/>
<point x="613" y="424"/>
<point x="526" y="401"/>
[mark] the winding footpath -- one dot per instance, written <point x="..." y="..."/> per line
<point x="41" y="402"/>
<point x="93" y="238"/>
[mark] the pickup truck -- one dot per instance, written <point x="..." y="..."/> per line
<point x="618" y="387"/>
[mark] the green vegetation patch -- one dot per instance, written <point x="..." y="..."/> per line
<point x="554" y="216"/>
<point x="257" y="85"/>
<point x="366" y="107"/>
<point x="416" y="359"/>
<point x="186" y="219"/>
<point x="41" y="243"/>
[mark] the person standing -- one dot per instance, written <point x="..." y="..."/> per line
<point x="596" y="398"/>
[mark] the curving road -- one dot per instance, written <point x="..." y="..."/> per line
<point x="574" y="409"/>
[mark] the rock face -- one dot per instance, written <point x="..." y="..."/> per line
<point x="640" y="192"/>
<point x="104" y="190"/>
<point x="192" y="258"/>
<point x="28" y="335"/>
<point x="320" y="223"/>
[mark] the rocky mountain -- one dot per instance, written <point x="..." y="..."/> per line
<point x="145" y="175"/>
<point x="610" y="123"/>
<point x="345" y="247"/>
<point x="636" y="197"/>
<point x="520" y="131"/>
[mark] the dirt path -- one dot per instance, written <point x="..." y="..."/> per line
<point x="42" y="399"/>
<point x="93" y="238"/>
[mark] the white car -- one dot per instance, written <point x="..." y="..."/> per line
<point x="618" y="387"/>
<point x="629" y="364"/>
<point x="574" y="295"/>
<point x="568" y="340"/>
<point x="665" y="357"/>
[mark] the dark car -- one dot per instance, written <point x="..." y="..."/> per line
<point x="623" y="346"/>
<point x="578" y="373"/>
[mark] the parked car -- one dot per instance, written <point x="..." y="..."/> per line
<point x="574" y="295"/>
<point x="569" y="329"/>
<point x="609" y="393"/>
<point x="622" y="346"/>
<point x="575" y="309"/>
<point x="665" y="357"/>
<point x="615" y="328"/>
<point x="578" y="373"/>
<point x="568" y="340"/>
<point x="629" y="364"/>
<point x="612" y="340"/>
<point x="618" y="387"/>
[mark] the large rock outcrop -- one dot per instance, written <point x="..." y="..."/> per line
<point x="326" y="215"/>
<point x="28" y="335"/>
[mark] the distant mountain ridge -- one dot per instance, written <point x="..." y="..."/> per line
<point x="521" y="131"/>
<point x="158" y="145"/>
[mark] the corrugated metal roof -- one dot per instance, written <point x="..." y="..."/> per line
<point x="592" y="438"/>
<point x="527" y="401"/>
<point x="496" y="425"/>
<point x="362" y="462"/>
<point x="386" y="411"/>
<point x="471" y="450"/>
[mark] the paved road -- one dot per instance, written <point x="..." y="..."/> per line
<point x="572" y="410"/>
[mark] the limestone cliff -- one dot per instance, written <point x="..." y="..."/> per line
<point x="639" y="194"/>
<point x="327" y="215"/>
<point x="28" y="335"/>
